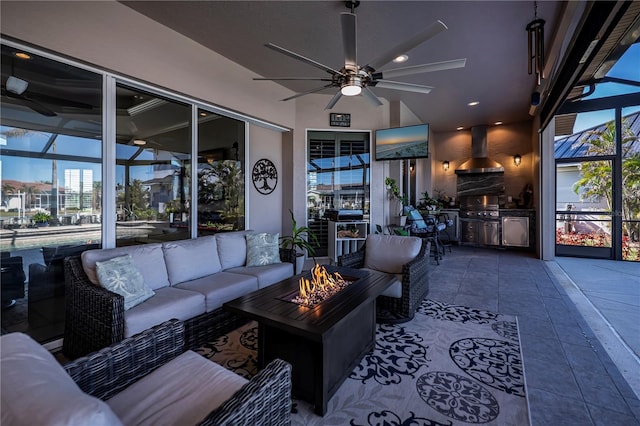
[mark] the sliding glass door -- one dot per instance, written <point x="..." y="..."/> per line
<point x="77" y="176"/>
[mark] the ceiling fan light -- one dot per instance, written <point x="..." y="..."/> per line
<point x="352" y="87"/>
<point x="349" y="90"/>
<point x="400" y="59"/>
<point x="16" y="85"/>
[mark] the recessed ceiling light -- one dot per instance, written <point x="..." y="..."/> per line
<point x="460" y="128"/>
<point x="401" y="58"/>
<point x="139" y="142"/>
<point x="497" y="123"/>
<point x="474" y="103"/>
<point x="22" y="55"/>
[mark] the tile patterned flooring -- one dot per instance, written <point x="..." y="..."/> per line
<point x="570" y="378"/>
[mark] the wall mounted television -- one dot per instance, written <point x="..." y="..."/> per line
<point x="400" y="143"/>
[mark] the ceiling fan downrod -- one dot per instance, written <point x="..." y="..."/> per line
<point x="352" y="4"/>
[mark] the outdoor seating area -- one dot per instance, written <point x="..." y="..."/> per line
<point x="187" y="279"/>
<point x="320" y="213"/>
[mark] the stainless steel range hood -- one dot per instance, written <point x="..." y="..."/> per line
<point x="479" y="163"/>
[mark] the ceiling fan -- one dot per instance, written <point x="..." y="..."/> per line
<point x="353" y="79"/>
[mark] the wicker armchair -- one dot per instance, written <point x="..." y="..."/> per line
<point x="264" y="400"/>
<point x="415" y="285"/>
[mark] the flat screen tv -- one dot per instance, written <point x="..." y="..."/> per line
<point x="401" y="143"/>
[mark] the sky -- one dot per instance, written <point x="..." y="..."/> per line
<point x="627" y="67"/>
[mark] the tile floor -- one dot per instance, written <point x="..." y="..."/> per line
<point x="570" y="378"/>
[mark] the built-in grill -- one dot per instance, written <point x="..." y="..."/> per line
<point x="480" y="219"/>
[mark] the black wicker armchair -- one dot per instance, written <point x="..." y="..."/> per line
<point x="264" y="400"/>
<point x="415" y="285"/>
<point x="94" y="316"/>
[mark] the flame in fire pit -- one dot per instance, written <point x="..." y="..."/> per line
<point x="321" y="286"/>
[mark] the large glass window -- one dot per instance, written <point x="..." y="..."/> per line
<point x="51" y="176"/>
<point x="338" y="178"/>
<point x="221" y="172"/>
<point x="153" y="167"/>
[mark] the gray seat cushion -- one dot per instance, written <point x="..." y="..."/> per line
<point x="389" y="253"/>
<point x="266" y="275"/>
<point x="187" y="260"/>
<point x="232" y="248"/>
<point x="148" y="259"/>
<point x="167" y="303"/>
<point x="221" y="287"/>
<point x="181" y="392"/>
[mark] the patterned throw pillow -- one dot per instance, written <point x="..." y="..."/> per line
<point x="262" y="249"/>
<point x="120" y="275"/>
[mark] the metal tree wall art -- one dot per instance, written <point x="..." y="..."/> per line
<point x="264" y="176"/>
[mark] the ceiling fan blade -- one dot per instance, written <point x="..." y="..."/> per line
<point x="397" y="85"/>
<point x="317" y="89"/>
<point x="417" y="69"/>
<point x="293" y="78"/>
<point x="39" y="108"/>
<point x="433" y="30"/>
<point x="29" y="103"/>
<point x="302" y="58"/>
<point x="370" y="96"/>
<point x="349" y="40"/>
<point x="334" y="100"/>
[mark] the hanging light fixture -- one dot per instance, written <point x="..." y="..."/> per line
<point x="535" y="46"/>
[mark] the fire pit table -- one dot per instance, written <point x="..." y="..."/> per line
<point x="323" y="343"/>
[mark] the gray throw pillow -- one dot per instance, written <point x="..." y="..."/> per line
<point x="262" y="249"/>
<point x="120" y="275"/>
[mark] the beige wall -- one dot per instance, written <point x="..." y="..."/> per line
<point x="503" y="142"/>
<point x="264" y="210"/>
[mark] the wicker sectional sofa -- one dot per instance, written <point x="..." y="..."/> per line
<point x="145" y="379"/>
<point x="191" y="280"/>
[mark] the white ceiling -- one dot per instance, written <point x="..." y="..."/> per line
<point x="491" y="35"/>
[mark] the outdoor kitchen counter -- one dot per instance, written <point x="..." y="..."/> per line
<point x="519" y="213"/>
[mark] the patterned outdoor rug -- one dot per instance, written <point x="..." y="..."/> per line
<point x="450" y="365"/>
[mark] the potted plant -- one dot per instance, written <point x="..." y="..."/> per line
<point x="402" y="199"/>
<point x="41" y="218"/>
<point x="301" y="239"/>
<point x="428" y="205"/>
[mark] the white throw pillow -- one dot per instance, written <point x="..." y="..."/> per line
<point x="120" y="275"/>
<point x="35" y="389"/>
